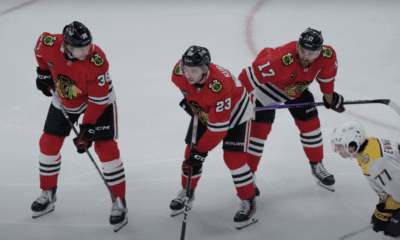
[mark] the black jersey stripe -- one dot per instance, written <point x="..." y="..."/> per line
<point x="77" y="110"/>
<point x="269" y="94"/>
<point x="99" y="100"/>
<point x="243" y="110"/>
<point x="252" y="77"/>
<point x="218" y="126"/>
<point x="237" y="117"/>
<point x="280" y="94"/>
<point x="239" y="107"/>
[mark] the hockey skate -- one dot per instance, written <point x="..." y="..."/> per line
<point x="178" y="204"/>
<point x="322" y="177"/>
<point x="118" y="214"/>
<point x="245" y="216"/>
<point x="45" y="203"/>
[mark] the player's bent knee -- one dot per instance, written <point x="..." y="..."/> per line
<point x="107" y="150"/>
<point x="235" y="160"/>
<point x="309" y="125"/>
<point x="50" y="144"/>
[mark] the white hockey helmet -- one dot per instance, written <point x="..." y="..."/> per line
<point x="349" y="134"/>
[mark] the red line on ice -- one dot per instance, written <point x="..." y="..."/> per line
<point x="18" y="7"/>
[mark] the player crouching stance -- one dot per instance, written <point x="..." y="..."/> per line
<point x="78" y="69"/>
<point x="282" y="75"/>
<point x="379" y="160"/>
<point x="224" y="108"/>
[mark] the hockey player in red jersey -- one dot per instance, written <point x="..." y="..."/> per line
<point x="282" y="75"/>
<point x="78" y="70"/>
<point x="224" y="108"/>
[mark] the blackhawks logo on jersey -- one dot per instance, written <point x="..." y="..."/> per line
<point x="287" y="59"/>
<point x="178" y="71"/>
<point x="296" y="88"/>
<point x="97" y="60"/>
<point x="327" y="52"/>
<point x="215" y="86"/>
<point x="49" y="40"/>
<point x="66" y="87"/>
<point x="199" y="112"/>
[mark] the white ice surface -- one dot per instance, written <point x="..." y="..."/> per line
<point x="143" y="40"/>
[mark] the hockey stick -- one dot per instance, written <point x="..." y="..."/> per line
<point x="189" y="179"/>
<point x="86" y="150"/>
<point x="388" y="102"/>
<point x="356" y="232"/>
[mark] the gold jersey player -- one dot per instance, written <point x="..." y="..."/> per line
<point x="224" y="109"/>
<point x="379" y="159"/>
<point x="78" y="70"/>
<point x="282" y="75"/>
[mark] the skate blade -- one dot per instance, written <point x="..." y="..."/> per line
<point x="175" y="213"/>
<point x="49" y="209"/>
<point x="247" y="223"/>
<point x="120" y="225"/>
<point x="330" y="188"/>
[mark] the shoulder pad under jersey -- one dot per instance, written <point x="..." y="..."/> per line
<point x="371" y="152"/>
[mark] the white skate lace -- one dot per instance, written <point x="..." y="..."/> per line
<point x="43" y="198"/>
<point x="244" y="207"/>
<point x="181" y="196"/>
<point x="320" y="171"/>
<point x="115" y="210"/>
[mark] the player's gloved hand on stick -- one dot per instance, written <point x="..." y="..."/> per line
<point x="186" y="107"/>
<point x="195" y="158"/>
<point x="336" y="104"/>
<point x="381" y="217"/>
<point x="85" y="137"/>
<point x="44" y="81"/>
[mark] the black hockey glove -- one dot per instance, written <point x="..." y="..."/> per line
<point x="381" y="217"/>
<point x="337" y="103"/>
<point x="186" y="107"/>
<point x="85" y="137"/>
<point x="393" y="228"/>
<point x="195" y="158"/>
<point x="44" y="81"/>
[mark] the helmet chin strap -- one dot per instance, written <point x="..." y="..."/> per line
<point x="353" y="155"/>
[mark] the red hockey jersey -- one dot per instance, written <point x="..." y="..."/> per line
<point x="221" y="104"/>
<point x="276" y="75"/>
<point x="81" y="85"/>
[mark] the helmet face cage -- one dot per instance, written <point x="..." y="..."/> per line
<point x="311" y="39"/>
<point x="77" y="35"/>
<point x="196" y="56"/>
<point x="350" y="134"/>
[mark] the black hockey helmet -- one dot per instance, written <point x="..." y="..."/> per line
<point x="196" y="56"/>
<point x="311" y="39"/>
<point x="77" y="35"/>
